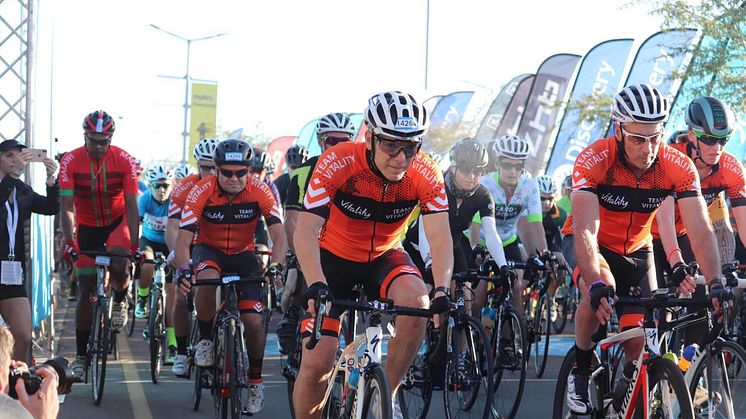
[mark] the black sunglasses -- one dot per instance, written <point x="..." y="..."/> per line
<point x="518" y="167"/>
<point x="229" y="173"/>
<point x="159" y="185"/>
<point x="393" y="147"/>
<point x="710" y="140"/>
<point x="101" y="142"/>
<point x="207" y="168"/>
<point x="332" y="141"/>
<point x="478" y="171"/>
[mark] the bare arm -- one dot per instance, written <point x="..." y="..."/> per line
<point x="172" y="231"/>
<point x="474" y="234"/>
<point x="307" y="246"/>
<point x="181" y="250"/>
<point x="586" y="223"/>
<point x="740" y="215"/>
<point x="441" y="247"/>
<point x="667" y="231"/>
<point x="538" y="237"/>
<point x="699" y="230"/>
<point x="133" y="218"/>
<point x="67" y="218"/>
<point x="291" y="218"/>
<point x="279" y="243"/>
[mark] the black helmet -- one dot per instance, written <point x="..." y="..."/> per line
<point x="233" y="151"/>
<point x="260" y="160"/>
<point x="296" y="155"/>
<point x="469" y="153"/>
<point x="710" y="116"/>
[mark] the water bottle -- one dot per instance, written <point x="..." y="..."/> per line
<point x="488" y="318"/>
<point x="686" y="356"/>
<point x="354" y="378"/>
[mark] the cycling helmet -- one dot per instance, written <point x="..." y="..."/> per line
<point x="547" y="185"/>
<point x="271" y="167"/>
<point x="183" y="170"/>
<point x="511" y="146"/>
<point x="296" y="155"/>
<point x="260" y="161"/>
<point x="493" y="154"/>
<point x="335" y="122"/>
<point x="398" y="115"/>
<point x="641" y="103"/>
<point x="434" y="156"/>
<point x="678" y="137"/>
<point x="710" y="116"/>
<point x="469" y="153"/>
<point x="233" y="151"/>
<point x="157" y="172"/>
<point x="205" y="149"/>
<point x="98" y="122"/>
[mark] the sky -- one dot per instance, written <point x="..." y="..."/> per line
<point x="283" y="63"/>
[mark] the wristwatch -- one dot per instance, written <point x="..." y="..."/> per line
<point x="445" y="290"/>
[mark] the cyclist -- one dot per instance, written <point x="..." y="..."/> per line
<point x="98" y="184"/>
<point x="203" y="153"/>
<point x="553" y="219"/>
<point x="618" y="184"/>
<point x="358" y="198"/>
<point x="225" y="209"/>
<point x="153" y="207"/>
<point x="294" y="157"/>
<point x="564" y="201"/>
<point x="259" y="166"/>
<point x="142" y="186"/>
<point x="181" y="171"/>
<point x="331" y="129"/>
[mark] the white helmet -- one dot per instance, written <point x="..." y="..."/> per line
<point x="511" y="146"/>
<point x="204" y="149"/>
<point x="335" y="122"/>
<point x="547" y="185"/>
<point x="641" y="103"/>
<point x="183" y="170"/>
<point x="157" y="172"/>
<point x="396" y="115"/>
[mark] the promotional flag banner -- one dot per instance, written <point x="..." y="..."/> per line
<point x="445" y="120"/>
<point x="276" y="150"/>
<point x="600" y="73"/>
<point x="543" y="106"/>
<point x="307" y="137"/>
<point x="430" y="103"/>
<point x="512" y="116"/>
<point x="490" y="123"/>
<point x="658" y="58"/>
<point x="203" y="114"/>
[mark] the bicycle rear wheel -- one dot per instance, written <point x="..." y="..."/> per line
<point x="416" y="390"/>
<point x="333" y="408"/>
<point x="197" y="397"/>
<point x="542" y="329"/>
<point x="100" y="345"/>
<point x="131" y="301"/>
<point x="155" y="334"/>
<point x="377" y="395"/>
<point x="507" y="342"/>
<point x="267" y="311"/>
<point x="725" y="389"/>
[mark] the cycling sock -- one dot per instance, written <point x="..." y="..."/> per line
<point x="119" y="296"/>
<point x="171" y="336"/>
<point x="181" y="345"/>
<point x="255" y="370"/>
<point x="81" y="341"/>
<point x="205" y="329"/>
<point x="143" y="292"/>
<point x="583" y="358"/>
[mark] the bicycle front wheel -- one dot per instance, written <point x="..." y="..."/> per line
<point x="668" y="395"/>
<point x="230" y="399"/>
<point x="560" y="410"/>
<point x="100" y="345"/>
<point x="563" y="301"/>
<point x="508" y="341"/>
<point x="155" y="334"/>
<point x="542" y="328"/>
<point x="377" y="395"/>
<point x="131" y="302"/>
<point x="416" y="390"/>
<point x="720" y="382"/>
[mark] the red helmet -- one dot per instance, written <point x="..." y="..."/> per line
<point x="98" y="122"/>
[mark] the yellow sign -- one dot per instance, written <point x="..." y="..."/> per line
<point x="203" y="116"/>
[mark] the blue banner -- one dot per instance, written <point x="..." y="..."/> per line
<point x="512" y="117"/>
<point x="445" y="119"/>
<point x="491" y="122"/>
<point x="600" y="73"/>
<point x="542" y="108"/>
<point x="431" y="103"/>
<point x="657" y="59"/>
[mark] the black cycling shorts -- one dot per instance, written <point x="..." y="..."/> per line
<point x="513" y="252"/>
<point x="12" y="291"/>
<point x="155" y="247"/>
<point x="243" y="264"/>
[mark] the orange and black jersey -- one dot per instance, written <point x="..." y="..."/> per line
<point x="178" y="196"/>
<point x="627" y="204"/>
<point x="365" y="213"/>
<point x="228" y="224"/>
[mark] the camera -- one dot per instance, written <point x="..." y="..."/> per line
<point x="32" y="382"/>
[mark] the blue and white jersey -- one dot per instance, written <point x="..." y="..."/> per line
<point x="526" y="200"/>
<point x="154" y="216"/>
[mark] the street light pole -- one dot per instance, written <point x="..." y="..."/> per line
<point x="185" y="132"/>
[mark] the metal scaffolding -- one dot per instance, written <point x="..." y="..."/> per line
<point x="16" y="52"/>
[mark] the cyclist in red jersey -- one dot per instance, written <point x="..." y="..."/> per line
<point x="203" y="155"/>
<point x="358" y="200"/>
<point x="220" y="217"/>
<point x="618" y="184"/>
<point x="99" y="182"/>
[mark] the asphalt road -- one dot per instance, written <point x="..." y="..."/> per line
<point x="129" y="393"/>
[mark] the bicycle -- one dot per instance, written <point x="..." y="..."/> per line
<point x="358" y="374"/>
<point x="657" y="387"/>
<point x="155" y="332"/>
<point x="567" y="299"/>
<point x="538" y="310"/>
<point x="269" y="294"/>
<point x="102" y="340"/>
<point x="229" y="375"/>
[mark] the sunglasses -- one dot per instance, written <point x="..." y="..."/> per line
<point x="230" y="173"/>
<point x="332" y="141"/>
<point x="547" y="198"/>
<point x="478" y="171"/>
<point x="639" y="139"/>
<point x="102" y="142"/>
<point x="516" y="167"/>
<point x="159" y="185"/>
<point x="393" y="147"/>
<point x="709" y="139"/>
<point x="207" y="168"/>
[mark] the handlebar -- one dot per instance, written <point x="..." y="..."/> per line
<point x="94" y="253"/>
<point x="227" y="280"/>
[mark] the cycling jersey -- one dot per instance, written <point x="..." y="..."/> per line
<point x="299" y="183"/>
<point x="727" y="175"/>
<point x="283" y="183"/>
<point x="627" y="205"/>
<point x="525" y="199"/>
<point x="227" y="224"/>
<point x="154" y="215"/>
<point x="98" y="187"/>
<point x="365" y="213"/>
<point x="553" y="221"/>
<point x="178" y="197"/>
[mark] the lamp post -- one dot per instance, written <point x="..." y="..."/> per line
<point x="185" y="132"/>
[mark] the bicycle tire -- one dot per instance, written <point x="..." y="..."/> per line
<point x="197" y="396"/>
<point x="377" y="389"/>
<point x="483" y="370"/>
<point x="510" y="365"/>
<point x="417" y="384"/>
<point x="193" y="340"/>
<point x="563" y="308"/>
<point x="131" y="302"/>
<point x="267" y="310"/>
<point x="730" y="360"/>
<point x="560" y="410"/>
<point x="231" y="404"/>
<point x="660" y="371"/>
<point x="155" y="333"/>
<point x="333" y="407"/>
<point x="542" y="330"/>
<point x="100" y="345"/>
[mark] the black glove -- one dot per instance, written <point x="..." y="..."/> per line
<point x="679" y="271"/>
<point x="313" y="291"/>
<point x="478" y="250"/>
<point x="598" y="291"/>
<point x="505" y="273"/>
<point x="440" y="304"/>
<point x="717" y="290"/>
